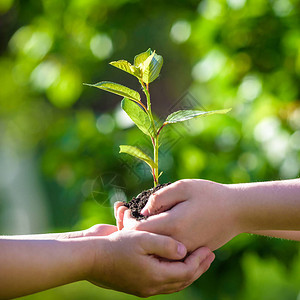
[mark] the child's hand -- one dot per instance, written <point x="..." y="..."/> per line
<point x="194" y="212"/>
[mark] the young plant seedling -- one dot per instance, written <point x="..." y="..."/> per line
<point x="146" y="69"/>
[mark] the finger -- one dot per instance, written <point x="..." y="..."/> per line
<point x="198" y="256"/>
<point x="120" y="216"/>
<point x="116" y="206"/>
<point x="160" y="224"/>
<point x="166" y="198"/>
<point x="193" y="276"/>
<point x="203" y="266"/>
<point x="128" y="221"/>
<point x="188" y="271"/>
<point x="163" y="246"/>
<point x="170" y="288"/>
<point x="201" y="260"/>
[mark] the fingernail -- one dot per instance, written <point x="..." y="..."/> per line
<point x="181" y="250"/>
<point x="145" y="212"/>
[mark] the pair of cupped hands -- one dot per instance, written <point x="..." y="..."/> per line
<point x="187" y="220"/>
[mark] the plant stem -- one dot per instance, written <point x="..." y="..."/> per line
<point x="154" y="178"/>
<point x="158" y="131"/>
<point x="155" y="138"/>
<point x="156" y="160"/>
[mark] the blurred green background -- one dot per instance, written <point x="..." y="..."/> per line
<point x="59" y="164"/>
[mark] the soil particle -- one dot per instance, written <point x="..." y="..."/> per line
<point x="136" y="204"/>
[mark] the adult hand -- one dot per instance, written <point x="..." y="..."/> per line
<point x="130" y="261"/>
<point x="194" y="212"/>
<point x="127" y="261"/>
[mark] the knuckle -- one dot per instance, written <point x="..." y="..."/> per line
<point x="155" y="201"/>
<point x="170" y="245"/>
<point x="181" y="185"/>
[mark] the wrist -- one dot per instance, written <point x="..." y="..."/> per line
<point x="227" y="202"/>
<point x="97" y="257"/>
<point x="236" y="207"/>
<point x="83" y="255"/>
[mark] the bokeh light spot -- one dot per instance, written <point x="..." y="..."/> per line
<point x="180" y="31"/>
<point x="101" y="46"/>
<point x="105" y="124"/>
<point x="282" y="8"/>
<point x="209" y="66"/>
<point x="34" y="44"/>
<point x="44" y="75"/>
<point x="236" y="4"/>
<point x="210" y="9"/>
<point x="250" y="88"/>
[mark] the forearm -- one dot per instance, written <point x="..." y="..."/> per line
<point x="267" y="205"/>
<point x="46" y="236"/>
<point x="282" y="234"/>
<point x="29" y="266"/>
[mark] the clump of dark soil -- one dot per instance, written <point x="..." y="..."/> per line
<point x="136" y="204"/>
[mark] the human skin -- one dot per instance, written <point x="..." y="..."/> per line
<point x="127" y="261"/>
<point x="205" y="213"/>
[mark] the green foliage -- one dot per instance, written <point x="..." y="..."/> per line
<point x="118" y="89"/>
<point x="140" y="58"/>
<point x="147" y="66"/>
<point x="134" y="151"/>
<point x="127" y="67"/>
<point x="151" y="67"/>
<point x="184" y="115"/>
<point x="139" y="116"/>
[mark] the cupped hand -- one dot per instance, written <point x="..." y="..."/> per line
<point x="130" y="261"/>
<point x="194" y="212"/>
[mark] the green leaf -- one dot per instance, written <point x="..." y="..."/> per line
<point x="118" y="89"/>
<point x="183" y="115"/>
<point x="140" y="58"/>
<point x="127" y="67"/>
<point x="134" y="151"/>
<point x="139" y="116"/>
<point x="151" y="67"/>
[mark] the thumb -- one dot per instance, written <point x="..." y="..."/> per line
<point x="165" y="198"/>
<point x="120" y="216"/>
<point x="117" y="205"/>
<point x="163" y="246"/>
<point x="100" y="230"/>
